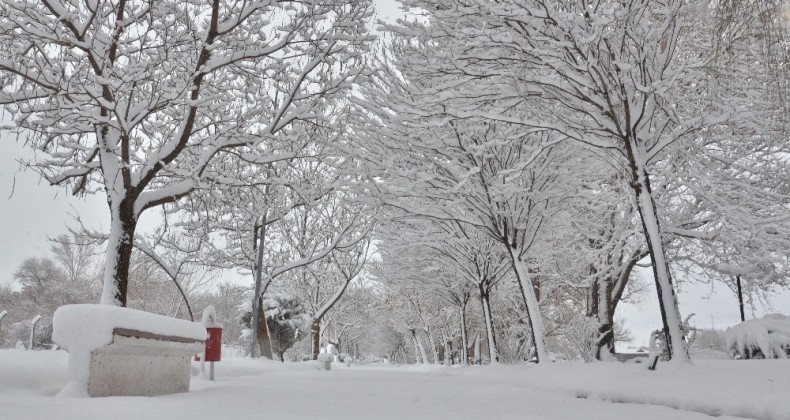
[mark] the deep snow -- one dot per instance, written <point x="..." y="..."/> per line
<point x="262" y="389"/>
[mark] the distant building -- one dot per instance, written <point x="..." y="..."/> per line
<point x="637" y="355"/>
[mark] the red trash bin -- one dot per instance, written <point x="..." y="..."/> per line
<point x="214" y="344"/>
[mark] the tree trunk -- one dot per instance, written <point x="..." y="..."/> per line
<point x="417" y="347"/>
<point x="493" y="354"/>
<point x="262" y="335"/>
<point x="432" y="342"/>
<point x="605" y="350"/>
<point x="464" y="340"/>
<point x="421" y="348"/>
<point x="607" y="292"/>
<point x="531" y="301"/>
<point x="600" y="309"/>
<point x="477" y="353"/>
<point x="670" y="314"/>
<point x="448" y="350"/>
<point x="315" y="336"/>
<point x="605" y="315"/>
<point x="120" y="243"/>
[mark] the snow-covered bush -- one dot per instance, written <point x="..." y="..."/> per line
<point x="285" y="318"/>
<point x="582" y="333"/>
<point x="767" y="337"/>
<point x="658" y="340"/>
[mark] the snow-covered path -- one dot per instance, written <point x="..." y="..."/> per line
<point x="266" y="390"/>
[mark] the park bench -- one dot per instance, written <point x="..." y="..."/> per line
<point x="120" y="351"/>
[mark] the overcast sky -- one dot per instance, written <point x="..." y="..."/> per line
<point x="31" y="211"/>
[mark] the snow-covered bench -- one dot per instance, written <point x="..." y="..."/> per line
<point x="120" y="351"/>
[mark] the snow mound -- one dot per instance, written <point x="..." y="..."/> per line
<point x="770" y="335"/>
<point x="40" y="373"/>
<point x="73" y="389"/>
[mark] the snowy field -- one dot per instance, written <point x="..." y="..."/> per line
<point x="758" y="389"/>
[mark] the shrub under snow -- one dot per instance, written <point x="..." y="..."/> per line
<point x="768" y="337"/>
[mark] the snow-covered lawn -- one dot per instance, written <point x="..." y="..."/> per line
<point x="758" y="389"/>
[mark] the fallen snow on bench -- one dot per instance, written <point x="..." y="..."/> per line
<point x="770" y="334"/>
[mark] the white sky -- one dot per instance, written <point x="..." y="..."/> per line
<point x="387" y="9"/>
<point x="36" y="211"/>
<point x="717" y="307"/>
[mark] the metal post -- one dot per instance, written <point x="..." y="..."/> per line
<point x="255" y="298"/>
<point x="211" y="371"/>
<point x="33" y="330"/>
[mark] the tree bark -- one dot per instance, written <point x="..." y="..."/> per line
<point x="432" y="342"/>
<point x="315" y="336"/>
<point x="120" y="243"/>
<point x="263" y="337"/>
<point x="464" y="339"/>
<point x="667" y="299"/>
<point x="605" y="350"/>
<point x="605" y="315"/>
<point x="477" y="353"/>
<point x="609" y="295"/>
<point x="531" y="301"/>
<point x="485" y="300"/>
<point x="421" y="348"/>
<point x="448" y="350"/>
<point x="418" y="351"/>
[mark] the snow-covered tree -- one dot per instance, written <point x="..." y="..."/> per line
<point x="484" y="176"/>
<point x="351" y="323"/>
<point x="460" y="260"/>
<point x="148" y="101"/>
<point x="607" y="241"/>
<point x="326" y="282"/>
<point x="616" y="76"/>
<point x="311" y="206"/>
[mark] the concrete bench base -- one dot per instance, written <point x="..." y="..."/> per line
<point x="141" y="364"/>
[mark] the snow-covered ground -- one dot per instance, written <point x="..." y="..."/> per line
<point x="758" y="389"/>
